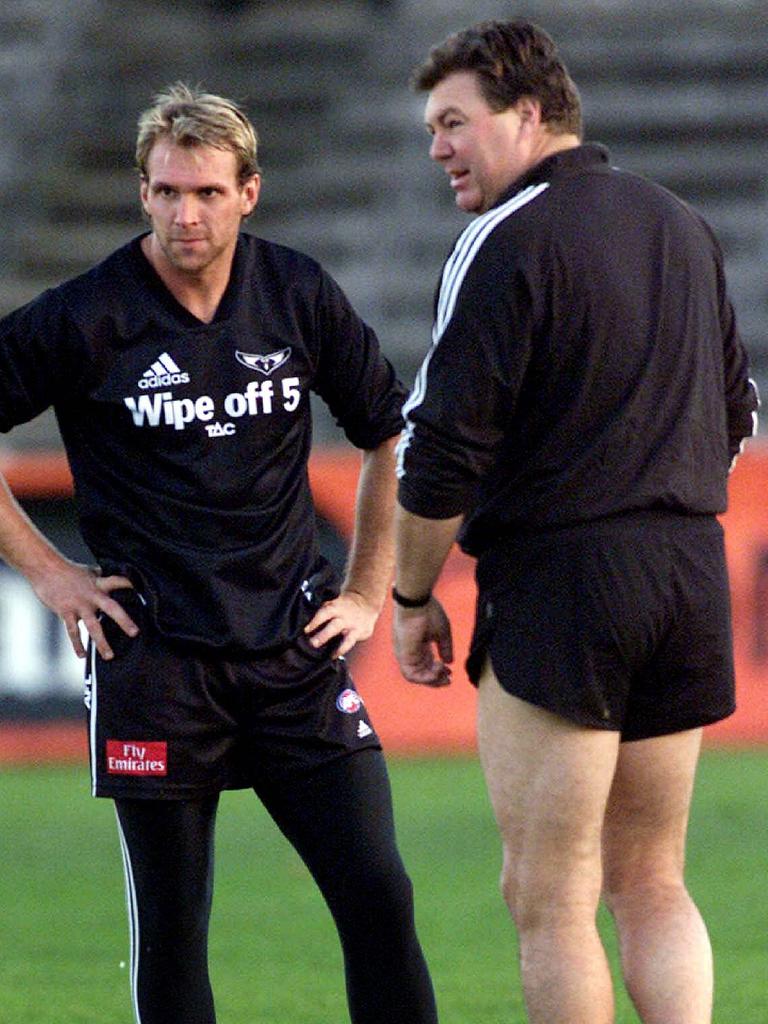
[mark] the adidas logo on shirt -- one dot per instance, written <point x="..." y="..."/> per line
<point x="161" y="373"/>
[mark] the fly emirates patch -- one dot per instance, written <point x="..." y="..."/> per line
<point x="260" y="397"/>
<point x="137" y="757"/>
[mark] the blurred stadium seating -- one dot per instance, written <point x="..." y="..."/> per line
<point x="678" y="91"/>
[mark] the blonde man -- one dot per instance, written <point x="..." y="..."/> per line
<point x="180" y="369"/>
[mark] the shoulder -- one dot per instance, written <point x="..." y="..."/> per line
<point x="648" y="202"/>
<point x="498" y="241"/>
<point x="113" y="281"/>
<point x="75" y="300"/>
<point x="262" y="255"/>
<point x="290" y="278"/>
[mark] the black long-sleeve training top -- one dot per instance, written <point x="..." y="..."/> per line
<point x="189" y="441"/>
<point x="585" y="360"/>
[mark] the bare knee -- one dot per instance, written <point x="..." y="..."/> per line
<point x="522" y="894"/>
<point x="642" y="891"/>
<point x="508" y="886"/>
<point x="539" y="898"/>
<point x="644" y="832"/>
<point x="642" y="868"/>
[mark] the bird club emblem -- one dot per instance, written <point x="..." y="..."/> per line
<point x="263" y="364"/>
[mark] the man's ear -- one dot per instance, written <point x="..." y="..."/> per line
<point x="529" y="110"/>
<point x="249" y="195"/>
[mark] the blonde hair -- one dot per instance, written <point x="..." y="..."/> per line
<point x="190" y="117"/>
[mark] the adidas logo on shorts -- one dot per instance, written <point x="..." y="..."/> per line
<point x="162" y="373"/>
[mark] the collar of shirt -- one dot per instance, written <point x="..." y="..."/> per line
<point x="566" y="161"/>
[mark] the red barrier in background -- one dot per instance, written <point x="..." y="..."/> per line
<point x="412" y="719"/>
<point x="408" y="718"/>
<point x="746" y="540"/>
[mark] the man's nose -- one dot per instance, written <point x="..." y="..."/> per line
<point x="187" y="210"/>
<point x="439" y="148"/>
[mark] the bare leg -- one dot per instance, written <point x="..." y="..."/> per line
<point x="549" y="781"/>
<point x="665" y="951"/>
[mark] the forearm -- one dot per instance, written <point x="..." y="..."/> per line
<point x="421" y="547"/>
<point x="22" y="546"/>
<point x="371" y="557"/>
<point x="422" y="633"/>
<point x="73" y="592"/>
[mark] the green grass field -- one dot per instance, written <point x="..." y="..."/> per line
<point x="63" y="936"/>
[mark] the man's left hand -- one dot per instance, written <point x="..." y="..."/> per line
<point x="349" y="616"/>
<point x="423" y="643"/>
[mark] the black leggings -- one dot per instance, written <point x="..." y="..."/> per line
<point x="339" y="820"/>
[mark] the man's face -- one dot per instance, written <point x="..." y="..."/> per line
<point x="482" y="151"/>
<point x="196" y="203"/>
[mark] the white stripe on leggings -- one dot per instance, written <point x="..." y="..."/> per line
<point x="133" y="920"/>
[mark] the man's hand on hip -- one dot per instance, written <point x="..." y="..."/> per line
<point x="349" y="616"/>
<point x="76" y="593"/>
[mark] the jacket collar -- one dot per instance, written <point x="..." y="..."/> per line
<point x="567" y="161"/>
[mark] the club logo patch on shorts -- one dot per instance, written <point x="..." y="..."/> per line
<point x="137" y="757"/>
<point x="349" y="701"/>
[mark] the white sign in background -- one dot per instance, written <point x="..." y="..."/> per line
<point x="36" y="657"/>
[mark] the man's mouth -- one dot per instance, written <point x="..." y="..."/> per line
<point x="458" y="178"/>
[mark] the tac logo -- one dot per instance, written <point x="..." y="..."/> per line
<point x="349" y="701"/>
<point x="137" y="757"/>
<point x="220" y="429"/>
<point x="264" y="364"/>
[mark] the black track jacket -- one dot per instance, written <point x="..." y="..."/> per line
<point x="585" y="360"/>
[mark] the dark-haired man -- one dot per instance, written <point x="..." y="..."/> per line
<point x="180" y="369"/>
<point x="573" y="424"/>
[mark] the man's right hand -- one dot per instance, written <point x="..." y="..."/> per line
<point x="77" y="593"/>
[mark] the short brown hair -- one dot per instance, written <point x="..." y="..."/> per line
<point x="191" y="117"/>
<point x="510" y="59"/>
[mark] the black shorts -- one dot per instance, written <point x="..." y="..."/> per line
<point x="621" y="624"/>
<point x="167" y="721"/>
